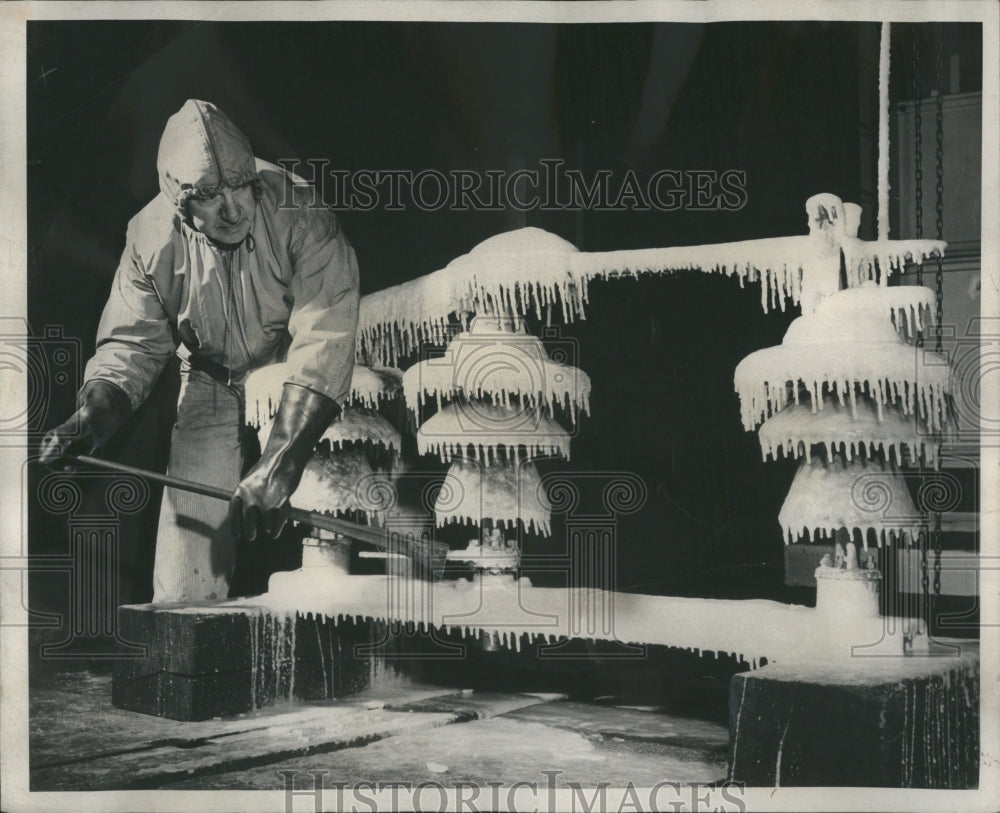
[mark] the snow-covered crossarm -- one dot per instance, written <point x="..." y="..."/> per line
<point x="532" y="272"/>
<point x="481" y="431"/>
<point x="395" y="321"/>
<point x="877" y="260"/>
<point x="866" y="496"/>
<point x="777" y="262"/>
<point x="502" y="494"/>
<point x="528" y="271"/>
<point x="796" y="429"/>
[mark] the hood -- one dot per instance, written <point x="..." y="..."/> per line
<point x="200" y="151"/>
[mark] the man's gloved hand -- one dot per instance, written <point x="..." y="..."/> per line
<point x="102" y="409"/>
<point x="259" y="506"/>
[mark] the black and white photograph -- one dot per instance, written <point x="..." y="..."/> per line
<point x="502" y="406"/>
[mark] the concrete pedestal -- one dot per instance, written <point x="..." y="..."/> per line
<point x="219" y="659"/>
<point x="870" y="722"/>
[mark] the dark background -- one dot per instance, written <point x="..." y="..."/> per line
<point x="786" y="103"/>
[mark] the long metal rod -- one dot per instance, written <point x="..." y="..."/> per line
<point x="419" y="549"/>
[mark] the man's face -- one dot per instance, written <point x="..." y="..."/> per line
<point x="225" y="216"/>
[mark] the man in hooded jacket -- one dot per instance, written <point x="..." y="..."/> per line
<point x="231" y="268"/>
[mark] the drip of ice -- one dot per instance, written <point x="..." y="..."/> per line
<point x="370" y="386"/>
<point x="877" y="260"/>
<point x="272" y="656"/>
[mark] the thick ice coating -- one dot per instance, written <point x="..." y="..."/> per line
<point x="796" y="429"/>
<point x="341" y="483"/>
<point x="502" y="493"/>
<point x="847" y="349"/>
<point x="368" y="386"/>
<point x="502" y="362"/>
<point x="530" y="271"/>
<point x="479" y="430"/>
<point x="371" y="385"/>
<point x="353" y="426"/>
<point x="518" y="613"/>
<point x="877" y="260"/>
<point x="870" y="497"/>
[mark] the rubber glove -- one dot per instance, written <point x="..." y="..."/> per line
<point x="259" y="505"/>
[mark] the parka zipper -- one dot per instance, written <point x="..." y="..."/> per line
<point x="234" y="316"/>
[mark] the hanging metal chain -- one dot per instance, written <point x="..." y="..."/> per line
<point x="939" y="175"/>
<point x="924" y="603"/>
<point x="937" y="554"/>
<point x="918" y="148"/>
<point x="939" y="274"/>
<point x="925" y="582"/>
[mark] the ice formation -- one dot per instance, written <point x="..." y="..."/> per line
<point x="480" y="430"/>
<point x="352" y="426"/>
<point x="530" y="271"/>
<point x="496" y="360"/>
<point x="870" y="497"/>
<point x="796" y="429"/>
<point x="502" y="493"/>
<point x="849" y="345"/>
<point x="876" y="260"/>
<point x="750" y="629"/>
<point x="493" y="555"/>
<point x="339" y="484"/>
<point x="369" y="385"/>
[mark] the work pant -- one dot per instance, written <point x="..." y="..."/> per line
<point x="195" y="552"/>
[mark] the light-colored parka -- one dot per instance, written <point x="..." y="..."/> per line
<point x="290" y="288"/>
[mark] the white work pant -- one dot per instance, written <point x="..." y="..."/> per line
<point x="195" y="552"/>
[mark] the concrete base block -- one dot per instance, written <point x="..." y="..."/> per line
<point x="873" y="722"/>
<point x="216" y="660"/>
